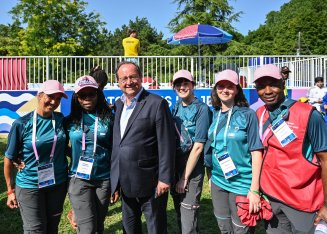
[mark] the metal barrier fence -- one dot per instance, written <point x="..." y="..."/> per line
<point x="19" y="73"/>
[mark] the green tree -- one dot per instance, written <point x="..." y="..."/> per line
<point x="56" y="27"/>
<point x="213" y="12"/>
<point x="280" y="33"/>
<point x="5" y="40"/>
<point x="9" y="40"/>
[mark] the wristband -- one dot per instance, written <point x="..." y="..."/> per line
<point x="10" y="192"/>
<point x="325" y="204"/>
<point x="254" y="191"/>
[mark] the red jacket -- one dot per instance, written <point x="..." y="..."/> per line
<point x="286" y="174"/>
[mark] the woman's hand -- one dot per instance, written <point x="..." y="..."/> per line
<point x="321" y="215"/>
<point x="209" y="174"/>
<point x="18" y="164"/>
<point x="11" y="201"/>
<point x="8" y="173"/>
<point x="254" y="202"/>
<point x="181" y="186"/>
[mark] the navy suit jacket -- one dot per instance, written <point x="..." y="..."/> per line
<point x="146" y="151"/>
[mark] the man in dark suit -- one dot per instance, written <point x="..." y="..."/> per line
<point x="142" y="162"/>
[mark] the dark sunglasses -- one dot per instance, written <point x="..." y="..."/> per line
<point x="84" y="96"/>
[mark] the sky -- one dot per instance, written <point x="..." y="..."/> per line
<point x="159" y="12"/>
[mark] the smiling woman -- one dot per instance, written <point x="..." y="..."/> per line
<point x="192" y="119"/>
<point x="90" y="133"/>
<point x="36" y="142"/>
<point x="235" y="160"/>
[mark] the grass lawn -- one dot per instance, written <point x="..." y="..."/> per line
<point x="11" y="220"/>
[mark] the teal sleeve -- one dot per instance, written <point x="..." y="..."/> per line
<point x="202" y="124"/>
<point x="208" y="154"/>
<point x="14" y="145"/>
<point x="317" y="132"/>
<point x="253" y="132"/>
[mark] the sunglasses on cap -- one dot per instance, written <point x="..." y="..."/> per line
<point x="84" y="96"/>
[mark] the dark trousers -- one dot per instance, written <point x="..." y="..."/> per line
<point x="289" y="220"/>
<point x="90" y="202"/>
<point x="154" y="210"/>
<point x="41" y="209"/>
<point x="225" y="210"/>
<point x="187" y="204"/>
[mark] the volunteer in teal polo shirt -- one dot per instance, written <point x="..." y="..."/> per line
<point x="89" y="127"/>
<point x="235" y="162"/>
<point x="37" y="143"/>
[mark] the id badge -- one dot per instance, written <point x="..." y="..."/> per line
<point x="45" y="174"/>
<point x="84" y="168"/>
<point x="283" y="132"/>
<point x="227" y="165"/>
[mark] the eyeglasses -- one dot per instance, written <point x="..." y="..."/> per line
<point x="132" y="78"/>
<point x="84" y="96"/>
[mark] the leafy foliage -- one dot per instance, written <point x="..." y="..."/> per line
<point x="280" y="33"/>
<point x="48" y="27"/>
<point x="55" y="28"/>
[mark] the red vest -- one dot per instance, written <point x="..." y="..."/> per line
<point x="286" y="174"/>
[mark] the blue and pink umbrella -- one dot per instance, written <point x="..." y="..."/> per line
<point x="198" y="34"/>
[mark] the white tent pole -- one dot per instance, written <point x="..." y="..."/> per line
<point x="199" y="54"/>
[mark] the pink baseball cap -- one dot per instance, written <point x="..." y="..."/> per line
<point x="228" y="75"/>
<point x="268" y="70"/>
<point x="51" y="87"/>
<point x="183" y="74"/>
<point x="84" y="82"/>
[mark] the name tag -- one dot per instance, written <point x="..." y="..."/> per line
<point x="283" y="133"/>
<point x="227" y="166"/>
<point x="84" y="168"/>
<point x="45" y="175"/>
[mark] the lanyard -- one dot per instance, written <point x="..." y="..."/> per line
<point x="226" y="128"/>
<point x="55" y="137"/>
<point x="262" y="134"/>
<point x="261" y="125"/>
<point x="94" y="135"/>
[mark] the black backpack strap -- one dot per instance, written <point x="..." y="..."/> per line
<point x="175" y="108"/>
<point x="265" y="125"/>
<point x="221" y="125"/>
<point x="288" y="103"/>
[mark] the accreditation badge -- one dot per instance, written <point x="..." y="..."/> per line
<point x="45" y="174"/>
<point x="283" y="132"/>
<point x="227" y="165"/>
<point x="84" y="168"/>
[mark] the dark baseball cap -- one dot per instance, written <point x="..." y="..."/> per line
<point x="285" y="69"/>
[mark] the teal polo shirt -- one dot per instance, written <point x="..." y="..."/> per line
<point x="242" y="138"/>
<point x="20" y="146"/>
<point x="101" y="165"/>
<point x="196" y="117"/>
